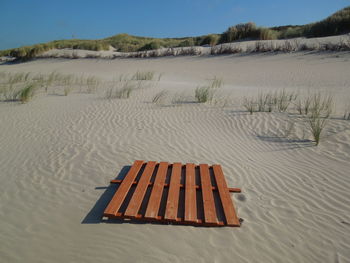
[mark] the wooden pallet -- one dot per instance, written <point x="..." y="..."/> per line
<point x="174" y="193"/>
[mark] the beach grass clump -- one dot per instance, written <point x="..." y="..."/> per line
<point x="92" y="84"/>
<point x="146" y="75"/>
<point x="303" y="105"/>
<point x="269" y="101"/>
<point x="284" y="99"/>
<point x="26" y="93"/>
<point x="250" y="104"/>
<point x="67" y="90"/>
<point x="179" y="98"/>
<point x="320" y="110"/>
<point x="50" y="79"/>
<point x="8" y="92"/>
<point x="263" y="102"/>
<point x="159" y="97"/>
<point x="206" y="93"/>
<point x="123" y="90"/>
<point x="203" y="94"/>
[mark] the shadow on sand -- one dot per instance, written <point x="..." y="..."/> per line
<point x="95" y="214"/>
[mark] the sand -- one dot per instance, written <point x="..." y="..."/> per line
<point x="58" y="154"/>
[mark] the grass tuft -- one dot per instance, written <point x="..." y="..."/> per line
<point x="159" y="97"/>
<point x="206" y="93"/>
<point x="249" y="104"/>
<point x="346" y="115"/>
<point x="147" y="75"/>
<point x="25" y="94"/>
<point x="320" y="110"/>
<point x="123" y="90"/>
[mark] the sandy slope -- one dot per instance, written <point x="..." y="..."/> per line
<point x="57" y="153"/>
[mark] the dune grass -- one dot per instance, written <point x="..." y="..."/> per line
<point x="336" y="24"/>
<point x="159" y="97"/>
<point x="67" y="90"/>
<point x="269" y="101"/>
<point x="206" y="93"/>
<point x="146" y="75"/>
<point x="120" y="90"/>
<point x="26" y="93"/>
<point x="303" y="105"/>
<point x="249" y="104"/>
<point x="320" y="109"/>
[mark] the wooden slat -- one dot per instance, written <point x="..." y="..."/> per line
<point x="173" y="194"/>
<point x="227" y="203"/>
<point x="232" y="190"/>
<point x="119" y="196"/>
<point x="207" y="194"/>
<point x="190" y="194"/>
<point x="140" y="191"/>
<point x="157" y="192"/>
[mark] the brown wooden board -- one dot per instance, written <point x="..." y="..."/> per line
<point x="140" y="191"/>
<point x="226" y="201"/>
<point x="164" y="203"/>
<point x="190" y="194"/>
<point x="157" y="192"/>
<point x="174" y="192"/>
<point x="118" y="198"/>
<point x="210" y="216"/>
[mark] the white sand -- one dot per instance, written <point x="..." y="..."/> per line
<point x="57" y="152"/>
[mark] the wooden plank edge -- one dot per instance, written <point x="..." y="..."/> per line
<point x="178" y="221"/>
<point x="231" y="189"/>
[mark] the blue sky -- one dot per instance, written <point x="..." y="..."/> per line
<point x="26" y="22"/>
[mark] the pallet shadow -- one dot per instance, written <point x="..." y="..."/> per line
<point x="94" y="216"/>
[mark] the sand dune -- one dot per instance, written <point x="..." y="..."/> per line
<point x="58" y="154"/>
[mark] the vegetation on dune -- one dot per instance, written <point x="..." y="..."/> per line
<point x="320" y="110"/>
<point x="206" y="93"/>
<point x="146" y="75"/>
<point x="338" y="23"/>
<point x="25" y="94"/>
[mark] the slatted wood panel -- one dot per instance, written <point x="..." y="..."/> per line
<point x="210" y="216"/>
<point x="169" y="200"/>
<point x="172" y="204"/>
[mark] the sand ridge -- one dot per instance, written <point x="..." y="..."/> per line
<point x="58" y="153"/>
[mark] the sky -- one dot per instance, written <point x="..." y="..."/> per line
<point x="27" y="22"/>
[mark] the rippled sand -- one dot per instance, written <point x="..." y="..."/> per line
<point x="58" y="154"/>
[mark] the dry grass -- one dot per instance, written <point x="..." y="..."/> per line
<point x="159" y="98"/>
<point x="120" y="90"/>
<point x="346" y="115"/>
<point x="250" y="104"/>
<point x="146" y="75"/>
